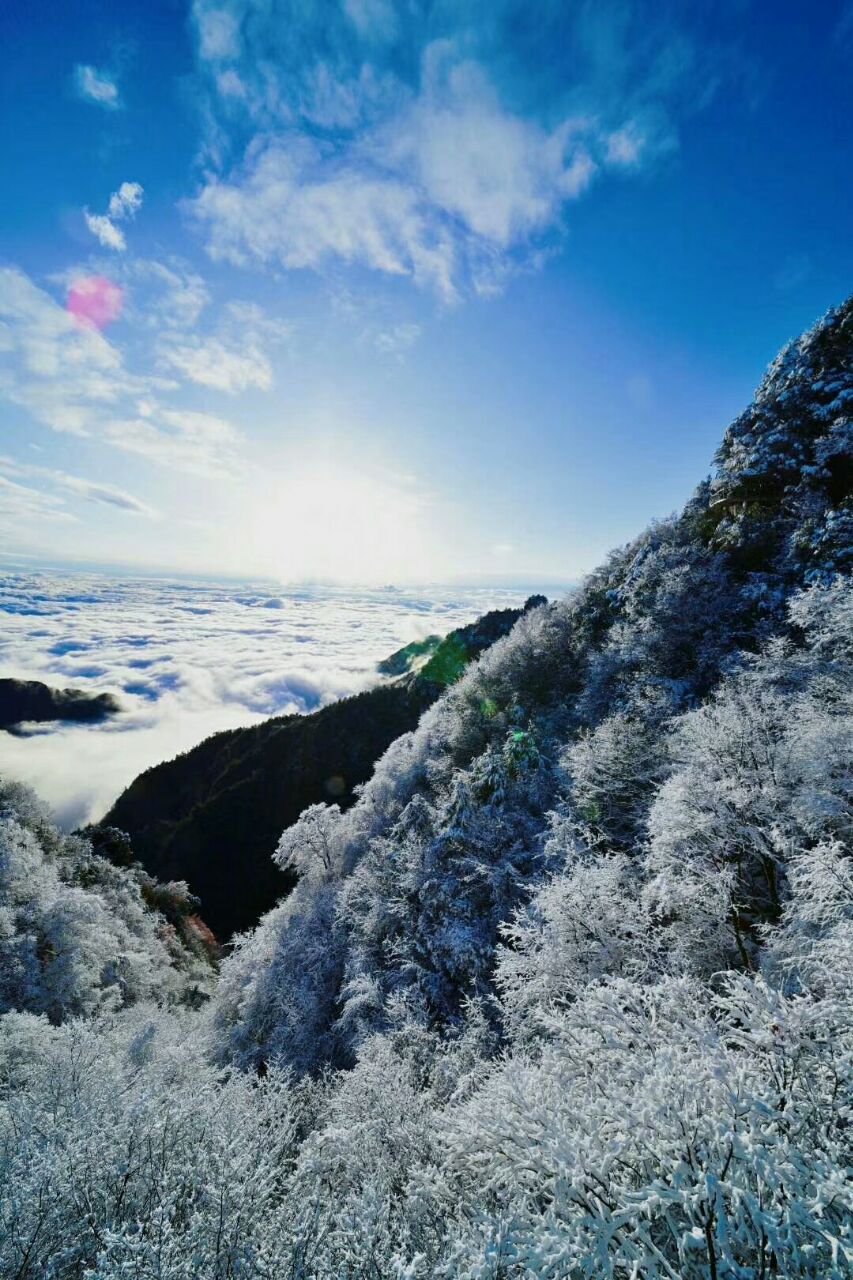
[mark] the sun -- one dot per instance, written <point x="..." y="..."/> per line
<point x="325" y="521"/>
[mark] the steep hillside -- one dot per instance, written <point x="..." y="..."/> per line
<point x="213" y="816"/>
<point x="80" y="935"/>
<point x="442" y="660"/>
<point x="563" y="727"/>
<point x="565" y="993"/>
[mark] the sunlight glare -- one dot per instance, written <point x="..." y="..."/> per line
<point x="326" y="522"/>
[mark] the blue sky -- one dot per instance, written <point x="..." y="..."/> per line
<point x="399" y="290"/>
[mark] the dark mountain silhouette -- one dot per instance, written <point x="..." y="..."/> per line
<point x="213" y="816"/>
<point x="23" y="700"/>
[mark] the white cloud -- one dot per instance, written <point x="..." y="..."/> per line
<point x="71" y="379"/>
<point x="234" y="358"/>
<point x="110" y="236"/>
<point x="59" y="371"/>
<point x="289" y="205"/>
<point x="127" y="201"/>
<point x="395" y="340"/>
<point x="450" y="182"/>
<point x="448" y="166"/>
<point x="175" y="295"/>
<point x="229" y="84"/>
<point x="179" y="681"/>
<point x="447" y="185"/>
<point x="78" y="486"/>
<point x="97" y="86"/>
<point x="21" y="503"/>
<point x="124" y="203"/>
<point x="103" y="494"/>
<point x="210" y="363"/>
<point x="374" y="19"/>
<point x="219" y="34"/>
<point x="625" y="146"/>
<point x="501" y="176"/>
<point x="197" y="443"/>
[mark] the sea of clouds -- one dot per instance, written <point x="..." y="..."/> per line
<point x="188" y="658"/>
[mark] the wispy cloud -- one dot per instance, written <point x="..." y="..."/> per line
<point x="78" y="486"/>
<point x="72" y="379"/>
<point x="102" y="494"/>
<point x="843" y="33"/>
<point x="97" y="86"/>
<point x="124" y="203"/>
<point x="104" y="230"/>
<point x="208" y="362"/>
<point x="175" y="295"/>
<point x="464" y="186"/>
<point x="127" y="201"/>
<point x="232" y="359"/>
<point x="182" y="439"/>
<point x="431" y="149"/>
<point x="22" y="504"/>
<point x="396" y="340"/>
<point x="63" y="373"/>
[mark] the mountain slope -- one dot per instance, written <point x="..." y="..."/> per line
<point x="566" y="992"/>
<point x="82" y="936"/>
<point x="213" y="816"/>
<point x="563" y="726"/>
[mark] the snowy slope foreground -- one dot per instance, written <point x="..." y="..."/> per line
<point x="566" y="993"/>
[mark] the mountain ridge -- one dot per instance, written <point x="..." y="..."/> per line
<point x="185" y="817"/>
<point x="528" y="729"/>
<point x="31" y="700"/>
<point x="566" y="990"/>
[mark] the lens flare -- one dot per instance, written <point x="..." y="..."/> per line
<point x="95" y="302"/>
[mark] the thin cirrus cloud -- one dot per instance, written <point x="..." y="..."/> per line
<point x="22" y="502"/>
<point x="430" y="150"/>
<point x="233" y="358"/>
<point x="210" y="363"/>
<point x="103" y="494"/>
<point x="70" y="378"/>
<point x="395" y="340"/>
<point x="65" y="374"/>
<point x="124" y="203"/>
<point x="76" y="486"/>
<point x="843" y="33"/>
<point x="98" y="87"/>
<point x="182" y="439"/>
<point x="174" y="295"/>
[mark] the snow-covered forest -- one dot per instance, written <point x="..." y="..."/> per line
<point x="568" y="992"/>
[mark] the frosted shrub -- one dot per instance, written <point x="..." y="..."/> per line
<point x="654" y="1138"/>
<point x="76" y="934"/>
<point x="123" y="1153"/>
<point x="567" y="992"/>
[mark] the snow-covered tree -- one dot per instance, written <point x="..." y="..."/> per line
<point x="78" y="933"/>
<point x="567" y="992"/>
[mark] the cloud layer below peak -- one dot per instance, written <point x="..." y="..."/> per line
<point x="187" y="659"/>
